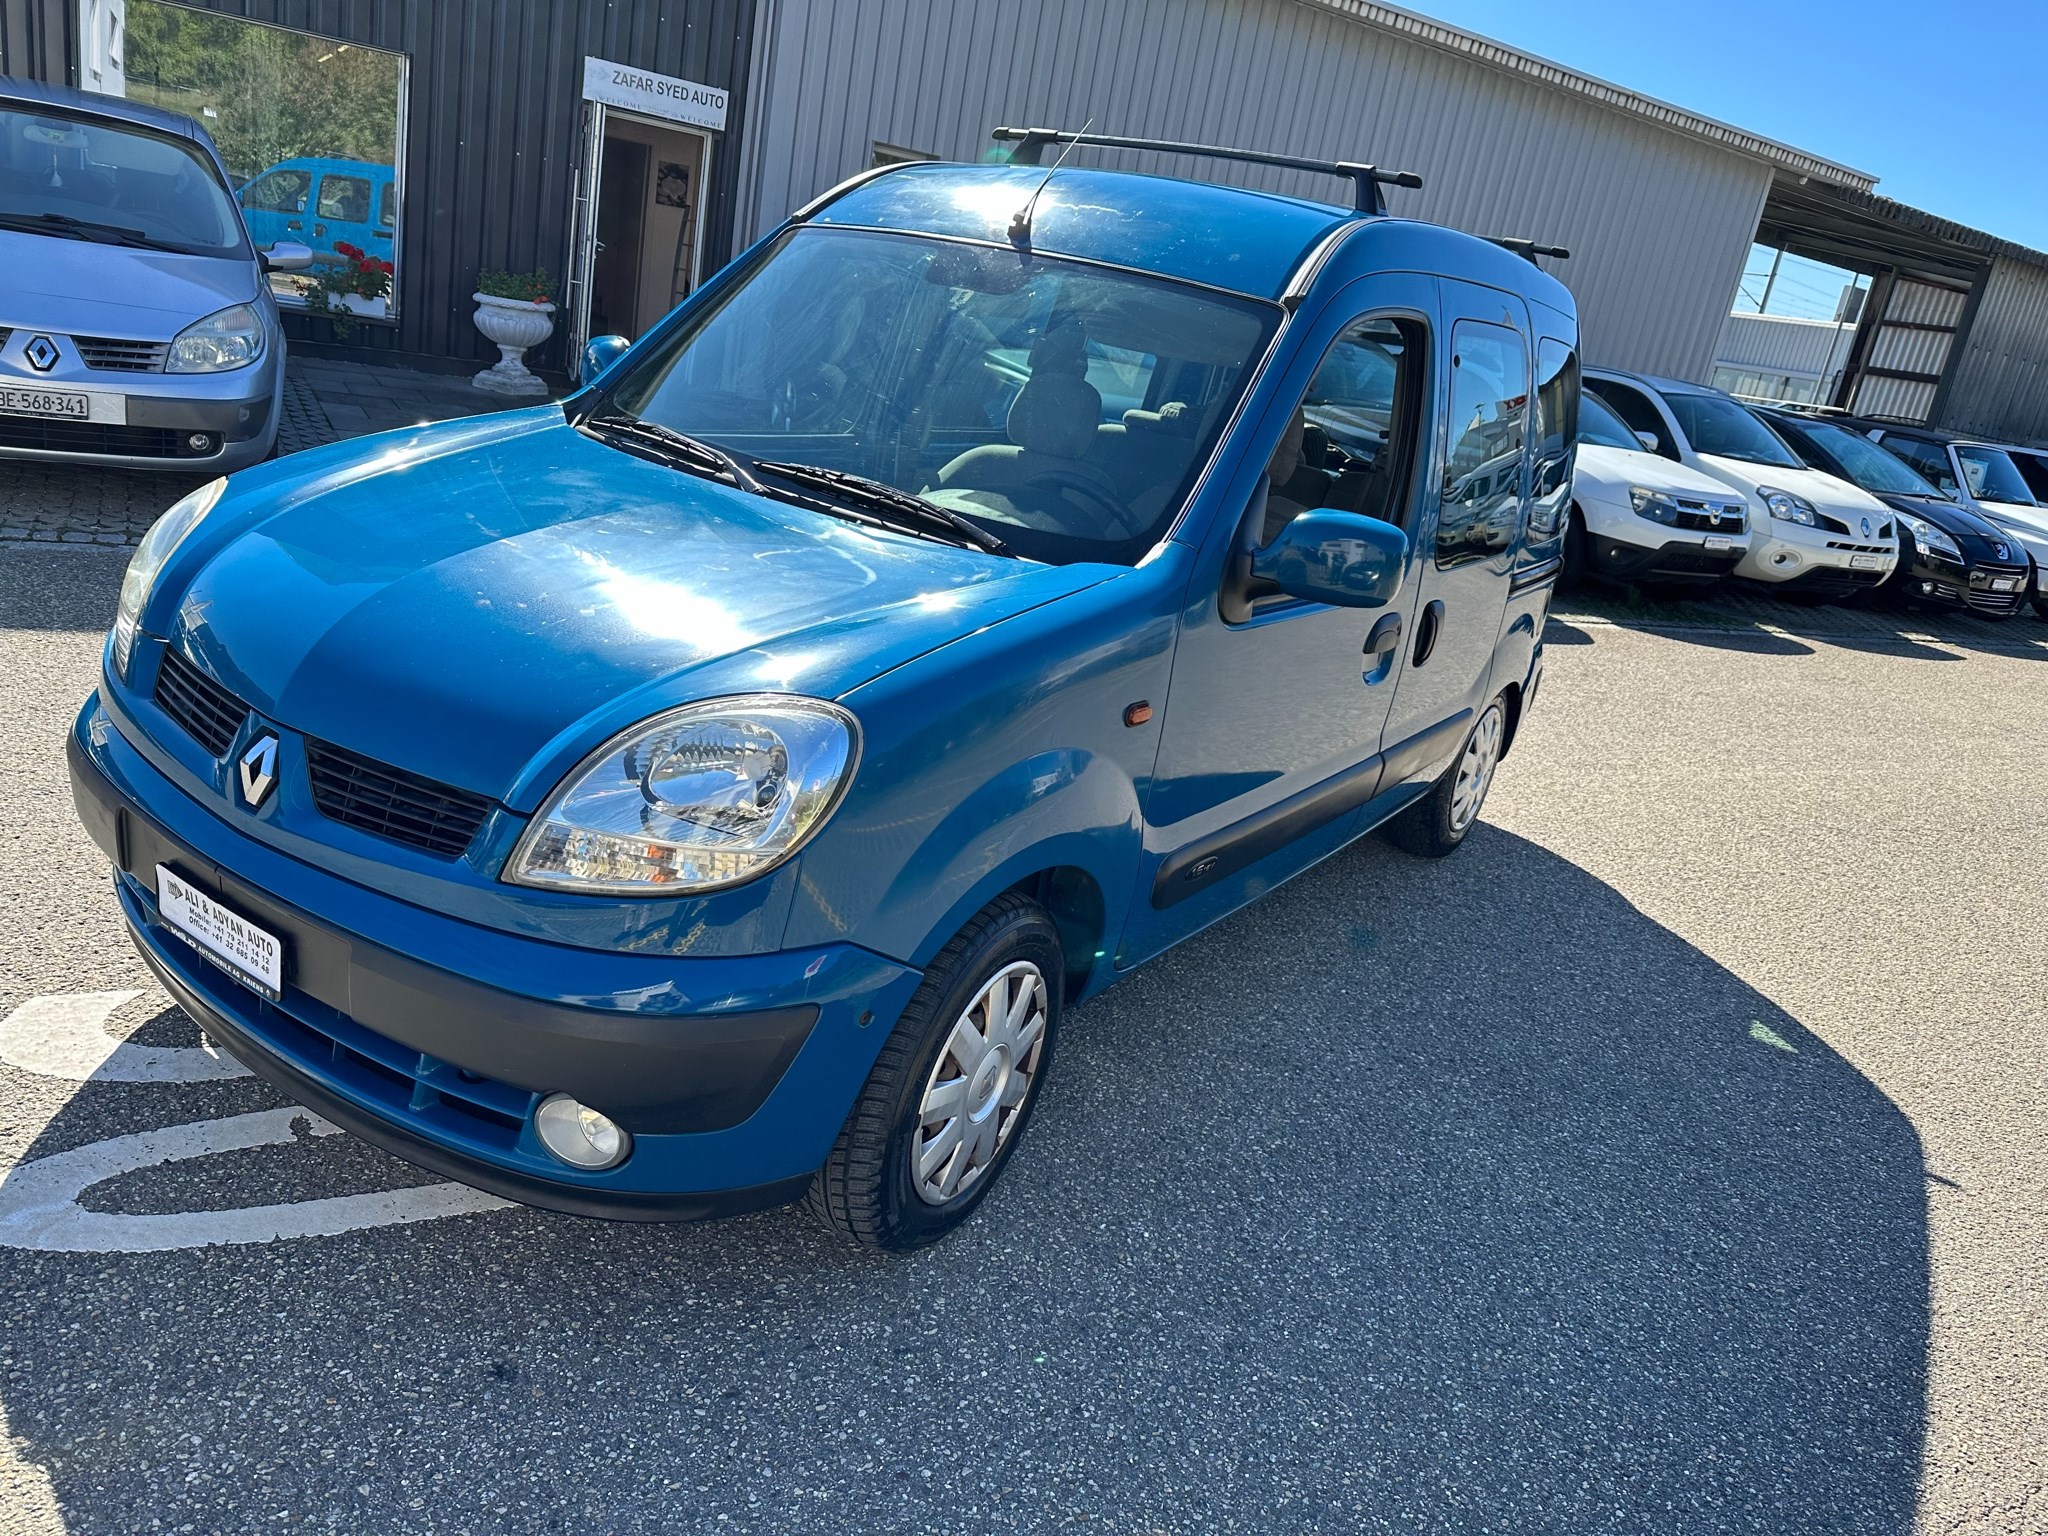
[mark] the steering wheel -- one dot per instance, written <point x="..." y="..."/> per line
<point x="1085" y="489"/>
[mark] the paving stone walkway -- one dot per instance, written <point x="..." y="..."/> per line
<point x="324" y="402"/>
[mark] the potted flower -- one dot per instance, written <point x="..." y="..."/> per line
<point x="361" y="285"/>
<point x="513" y="310"/>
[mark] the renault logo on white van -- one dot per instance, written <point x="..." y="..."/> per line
<point x="1866" y="527"/>
<point x="257" y="770"/>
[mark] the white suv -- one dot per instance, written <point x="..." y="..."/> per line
<point x="1808" y="532"/>
<point x="1639" y="517"/>
<point x="1985" y="478"/>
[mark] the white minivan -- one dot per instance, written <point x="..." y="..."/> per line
<point x="1637" y="516"/>
<point x="1809" y="533"/>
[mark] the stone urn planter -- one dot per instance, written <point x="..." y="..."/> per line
<point x="514" y="325"/>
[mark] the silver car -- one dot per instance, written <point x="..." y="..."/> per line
<point x="136" y="322"/>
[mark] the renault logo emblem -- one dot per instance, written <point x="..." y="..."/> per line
<point x="257" y="770"/>
<point x="41" y="353"/>
<point x="1866" y="527"/>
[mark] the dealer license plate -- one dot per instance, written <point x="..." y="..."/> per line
<point x="248" y="953"/>
<point x="1717" y="545"/>
<point x="2005" y="583"/>
<point x="1866" y="562"/>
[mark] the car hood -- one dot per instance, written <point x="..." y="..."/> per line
<point x="1825" y="491"/>
<point x="1951" y="517"/>
<point x="483" y="602"/>
<point x="1624" y="467"/>
<point x="82" y="288"/>
<point x="2011" y="514"/>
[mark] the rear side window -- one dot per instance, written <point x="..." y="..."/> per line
<point x="1557" y="433"/>
<point x="1634" y="407"/>
<point x="1483" y="465"/>
<point x="1931" y="459"/>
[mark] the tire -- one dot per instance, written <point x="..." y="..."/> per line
<point x="1438" y="823"/>
<point x="869" y="1189"/>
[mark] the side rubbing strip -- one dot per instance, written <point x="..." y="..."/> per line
<point x="1203" y="862"/>
<point x="1426" y="749"/>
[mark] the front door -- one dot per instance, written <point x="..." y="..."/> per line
<point x="1275" y="712"/>
<point x="1466" y="556"/>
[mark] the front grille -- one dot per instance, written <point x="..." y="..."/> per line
<point x="112" y="355"/>
<point x="51" y="436"/>
<point x="1707" y="517"/>
<point x="1860" y="549"/>
<point x="207" y="712"/>
<point x="1831" y="524"/>
<point x="374" y="797"/>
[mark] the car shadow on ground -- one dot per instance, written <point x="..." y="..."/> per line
<point x="1728" y="617"/>
<point x="1419" y="1197"/>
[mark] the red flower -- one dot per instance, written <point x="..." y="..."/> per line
<point x="346" y="249"/>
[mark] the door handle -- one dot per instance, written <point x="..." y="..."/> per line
<point x="320" y="231"/>
<point x="1427" y="630"/>
<point x="1382" y="645"/>
<point x="294" y="223"/>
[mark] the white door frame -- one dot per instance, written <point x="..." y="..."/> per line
<point x="583" y="214"/>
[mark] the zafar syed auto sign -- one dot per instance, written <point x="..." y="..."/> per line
<point x="641" y="90"/>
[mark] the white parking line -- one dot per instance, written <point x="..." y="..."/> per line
<point x="39" y="1206"/>
<point x="66" y="1036"/>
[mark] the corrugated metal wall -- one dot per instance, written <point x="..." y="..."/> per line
<point x="2000" y="384"/>
<point x="1783" y="344"/>
<point x="1659" y="223"/>
<point x="32" y="38"/>
<point x="491" y="145"/>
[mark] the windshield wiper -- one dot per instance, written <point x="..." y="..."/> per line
<point x="678" y="448"/>
<point x="891" y="506"/>
<point x="84" y="229"/>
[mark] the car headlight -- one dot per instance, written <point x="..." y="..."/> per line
<point x="696" y="799"/>
<point x="1787" y="508"/>
<point x="1654" y="505"/>
<point x="164" y="535"/>
<point x="1931" y="539"/>
<point x="230" y="339"/>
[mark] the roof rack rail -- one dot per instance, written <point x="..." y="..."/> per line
<point x="1529" y="250"/>
<point x="1366" y="180"/>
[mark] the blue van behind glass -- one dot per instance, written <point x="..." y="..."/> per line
<point x="711" y="791"/>
<point x="323" y="203"/>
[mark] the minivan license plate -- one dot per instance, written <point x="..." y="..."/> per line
<point x="2005" y="583"/>
<point x="1866" y="562"/>
<point x="248" y="953"/>
<point x="61" y="403"/>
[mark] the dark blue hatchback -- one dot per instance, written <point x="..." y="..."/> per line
<point x="711" y="791"/>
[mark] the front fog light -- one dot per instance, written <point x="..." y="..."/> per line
<point x="579" y="1135"/>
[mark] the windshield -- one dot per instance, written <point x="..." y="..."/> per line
<point x="80" y="178"/>
<point x="1992" y="476"/>
<point x="1868" y="465"/>
<point x="1065" y="407"/>
<point x="1717" y="425"/>
<point x="1600" y="426"/>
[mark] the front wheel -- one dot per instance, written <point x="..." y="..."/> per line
<point x="954" y="1086"/>
<point x="1438" y="823"/>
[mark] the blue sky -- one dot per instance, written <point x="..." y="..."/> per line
<point x="1945" y="103"/>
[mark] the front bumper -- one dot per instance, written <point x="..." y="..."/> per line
<point x="1677" y="561"/>
<point x="436" y="1039"/>
<point x="236" y="412"/>
<point x="1968" y="587"/>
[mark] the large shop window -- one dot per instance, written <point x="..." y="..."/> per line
<point x="309" y="127"/>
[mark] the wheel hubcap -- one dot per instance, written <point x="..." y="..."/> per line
<point x="1475" y="770"/>
<point x="979" y="1084"/>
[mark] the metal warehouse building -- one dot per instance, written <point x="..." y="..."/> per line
<point x="725" y="114"/>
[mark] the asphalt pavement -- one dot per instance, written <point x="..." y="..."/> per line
<point x="1669" y="1160"/>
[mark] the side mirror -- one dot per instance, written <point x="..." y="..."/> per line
<point x="1336" y="557"/>
<point x="286" y="256"/>
<point x="600" y="352"/>
<point x="1649" y="442"/>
